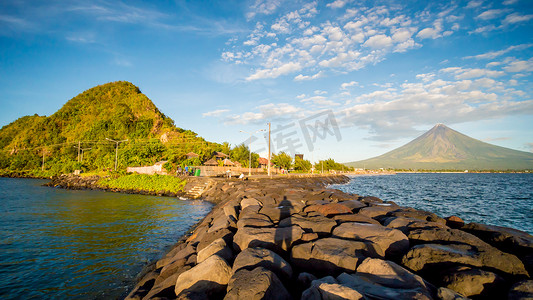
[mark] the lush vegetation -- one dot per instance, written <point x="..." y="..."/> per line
<point x="77" y="136"/>
<point x="155" y="183"/>
<point x="331" y="165"/>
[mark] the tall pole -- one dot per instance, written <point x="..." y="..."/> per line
<point x="79" y="146"/>
<point x="42" y="168"/>
<point x="116" y="150"/>
<point x="269" y="174"/>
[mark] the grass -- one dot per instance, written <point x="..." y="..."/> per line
<point x="152" y="183"/>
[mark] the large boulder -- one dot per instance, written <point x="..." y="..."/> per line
<point x="218" y="247"/>
<point x="506" y="239"/>
<point x="392" y="241"/>
<point x="521" y="290"/>
<point x="376" y="211"/>
<point x="312" y="223"/>
<point x="331" y="255"/>
<point x="250" y="258"/>
<point x="209" y="277"/>
<point x="388" y="273"/>
<point x="405" y="225"/>
<point x="330" y="209"/>
<point x="254" y="220"/>
<point x="373" y="290"/>
<point x="330" y="291"/>
<point x="417" y="214"/>
<point x="359" y="218"/>
<point x="444" y="236"/>
<point x="256" y="284"/>
<point x="354" y="205"/>
<point x="473" y="282"/>
<point x="275" y="239"/>
<point x="278" y="213"/>
<point x="428" y="258"/>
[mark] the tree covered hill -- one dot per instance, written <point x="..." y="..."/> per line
<point x="116" y="110"/>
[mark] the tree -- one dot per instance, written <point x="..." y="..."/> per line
<point x="241" y="153"/>
<point x="282" y="159"/>
<point x="301" y="164"/>
<point x="330" y="164"/>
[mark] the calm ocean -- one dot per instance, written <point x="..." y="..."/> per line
<point x="495" y="199"/>
<point x="63" y="244"/>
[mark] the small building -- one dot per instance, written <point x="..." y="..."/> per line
<point x="157" y="168"/>
<point x="211" y="162"/>
<point x="220" y="155"/>
<point x="228" y="162"/>
<point x="263" y="162"/>
<point x="301" y="156"/>
<point x="191" y="155"/>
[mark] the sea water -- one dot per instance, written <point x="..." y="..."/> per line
<point x="490" y="198"/>
<point x="64" y="244"/>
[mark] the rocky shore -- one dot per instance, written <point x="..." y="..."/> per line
<point x="297" y="239"/>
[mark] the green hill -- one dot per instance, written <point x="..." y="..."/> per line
<point x="442" y="148"/>
<point x="116" y="110"/>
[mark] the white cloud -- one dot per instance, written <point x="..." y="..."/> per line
<point x="468" y="73"/>
<point x="306" y="77"/>
<point x="516" y="66"/>
<point x="516" y="18"/>
<point x="491" y="14"/>
<point x="429" y="32"/>
<point x="378" y="41"/>
<point x="346" y="85"/>
<point x="275" y="72"/>
<point x="474" y="4"/>
<point x="215" y="113"/>
<point x="265" y="7"/>
<point x="494" y="54"/>
<point x="271" y="111"/>
<point x="337" y="4"/>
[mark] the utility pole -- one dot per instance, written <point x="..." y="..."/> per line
<point x="116" y="149"/>
<point x="78" y="147"/>
<point x="269" y="153"/>
<point x="82" y="153"/>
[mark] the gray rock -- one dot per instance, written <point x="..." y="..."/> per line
<point x="317" y="223"/>
<point x="331" y="255"/>
<point x="376" y="211"/>
<point x="389" y="274"/>
<point x="275" y="239"/>
<point x="250" y="258"/>
<point x="447" y="294"/>
<point x="521" y="290"/>
<point x="219" y="223"/>
<point x="259" y="283"/>
<point x="506" y="239"/>
<point x="278" y="213"/>
<point x="434" y="257"/>
<point x="209" y="277"/>
<point x="392" y="241"/>
<point x="305" y="279"/>
<point x="417" y="214"/>
<point x="143" y="286"/>
<point x="250" y="202"/>
<point x="331" y="291"/>
<point x="473" y="282"/>
<point x="208" y="238"/>
<point x="329" y="210"/>
<point x="164" y="289"/>
<point x="354" y="205"/>
<point x="405" y="225"/>
<point x="373" y="290"/>
<point x="254" y="220"/>
<point x="354" y="218"/>
<point x="218" y="247"/>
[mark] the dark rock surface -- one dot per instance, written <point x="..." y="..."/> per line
<point x="296" y="239"/>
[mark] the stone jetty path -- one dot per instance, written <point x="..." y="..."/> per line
<point x="297" y="239"/>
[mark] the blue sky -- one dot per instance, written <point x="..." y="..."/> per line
<point x="375" y="74"/>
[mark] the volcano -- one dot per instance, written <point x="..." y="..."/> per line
<point x="442" y="148"/>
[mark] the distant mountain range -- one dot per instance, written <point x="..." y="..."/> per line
<point x="443" y="148"/>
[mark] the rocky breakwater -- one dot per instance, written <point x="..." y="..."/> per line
<point x="297" y="239"/>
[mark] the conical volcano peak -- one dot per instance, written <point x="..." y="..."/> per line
<point x="443" y="148"/>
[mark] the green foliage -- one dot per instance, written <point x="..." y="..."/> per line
<point x="331" y="165"/>
<point x="301" y="164"/>
<point x="153" y="183"/>
<point x="282" y="160"/>
<point x="241" y="154"/>
<point x="116" y="110"/>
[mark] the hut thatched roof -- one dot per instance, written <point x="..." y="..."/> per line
<point x="191" y="154"/>
<point x="228" y="162"/>
<point x="211" y="162"/>
<point x="220" y="155"/>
